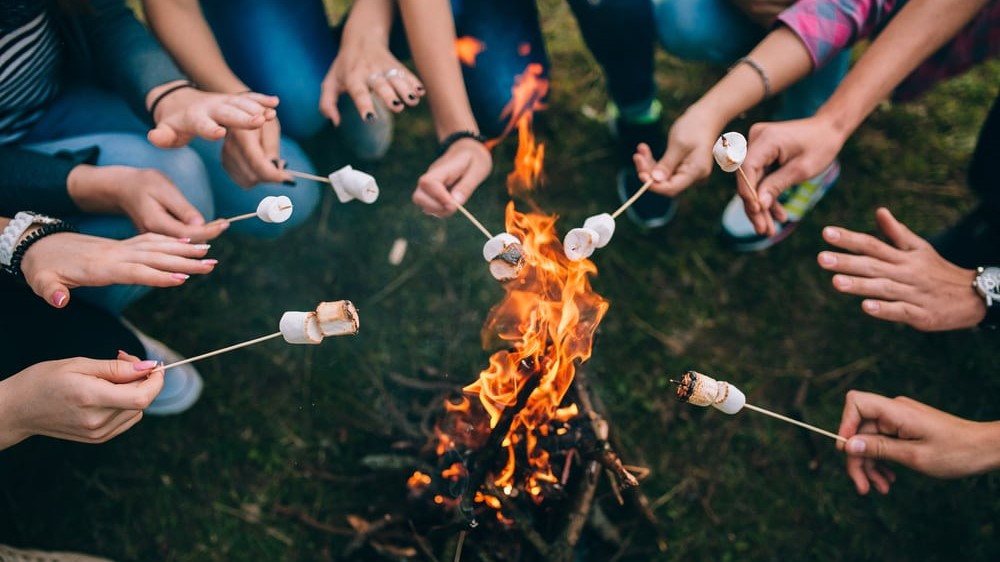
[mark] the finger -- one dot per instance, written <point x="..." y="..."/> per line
<point x="428" y="203"/>
<point x="121" y="423"/>
<point x="856" y="472"/>
<point x="850" y="264"/>
<point x="876" y="476"/>
<point x="115" y="370"/>
<point x="270" y="143"/>
<point x="860" y="243"/>
<point x="261" y="164"/>
<point x="879" y="287"/>
<point x="435" y="197"/>
<point x="169" y="246"/>
<point x="647" y="168"/>
<point x="361" y="97"/>
<point x="268" y="101"/>
<point x="55" y="292"/>
<point x="133" y="395"/>
<point x="164" y="136"/>
<point x="213" y="125"/>
<point x="897" y="232"/>
<point x="166" y="263"/>
<point x="248" y="105"/>
<point x="328" y="95"/>
<point x="902" y="312"/>
<point x="682" y="179"/>
<point x="123" y="356"/>
<point x="401" y="87"/>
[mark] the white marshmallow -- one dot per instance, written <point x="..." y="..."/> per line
<point x="730" y="151"/>
<point x="337" y="318"/>
<point x="349" y="184"/>
<point x="579" y="243"/>
<point x="731" y="400"/>
<point x="496" y="245"/>
<point x="702" y="390"/>
<point x="300" y="327"/>
<point x="274" y="209"/>
<point x="604" y="225"/>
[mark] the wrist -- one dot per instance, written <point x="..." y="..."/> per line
<point x="10" y="434"/>
<point x="163" y="97"/>
<point x="988" y="445"/>
<point x="457" y="136"/>
<point x="91" y="188"/>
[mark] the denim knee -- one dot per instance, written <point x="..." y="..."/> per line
<point x="187" y="171"/>
<point x="711" y="31"/>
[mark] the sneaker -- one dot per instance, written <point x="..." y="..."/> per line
<point x="369" y="141"/>
<point x="650" y="210"/>
<point x="181" y="385"/>
<point x="738" y="232"/>
<point x="973" y="242"/>
<point x="9" y="554"/>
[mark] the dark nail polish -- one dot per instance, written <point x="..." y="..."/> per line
<point x="397" y="102"/>
<point x="420" y="88"/>
<point x="289" y="183"/>
<point x="369" y="116"/>
<point x="411" y="96"/>
<point x="275" y="162"/>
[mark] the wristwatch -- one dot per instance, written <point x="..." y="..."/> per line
<point x="987" y="284"/>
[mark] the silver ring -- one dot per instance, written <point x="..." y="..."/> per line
<point x="375" y="76"/>
<point x="393" y="72"/>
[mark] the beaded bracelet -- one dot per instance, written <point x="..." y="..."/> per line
<point x="167" y="92"/>
<point x="457" y="136"/>
<point x="15" y="260"/>
<point x="760" y="72"/>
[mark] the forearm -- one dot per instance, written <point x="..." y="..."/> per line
<point x="369" y="20"/>
<point x="916" y="32"/>
<point x="989" y="445"/>
<point x="783" y="58"/>
<point x="430" y="30"/>
<point x="10" y="433"/>
<point x="181" y="27"/>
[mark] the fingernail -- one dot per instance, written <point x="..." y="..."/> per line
<point x="145" y="365"/>
<point x="827" y="258"/>
<point x="831" y="234"/>
<point x="275" y="162"/>
<point x="765" y="200"/>
<point x="210" y="261"/>
<point x="59" y="298"/>
<point x="181" y="276"/>
<point x="870" y="306"/>
<point x="658" y="174"/>
<point x="411" y="96"/>
<point x="459" y="198"/>
<point x="224" y="225"/>
<point x="185" y="240"/>
<point x="289" y="183"/>
<point x="202" y="246"/>
<point x="397" y="102"/>
<point x="856" y="446"/>
<point x="369" y="116"/>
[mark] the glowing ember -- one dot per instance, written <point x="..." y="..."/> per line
<point x="468" y="48"/>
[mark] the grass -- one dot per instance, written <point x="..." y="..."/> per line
<point x="283" y="432"/>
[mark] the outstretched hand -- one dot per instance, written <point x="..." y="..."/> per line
<point x="453" y="178"/>
<point x="913" y="434"/>
<point x="187" y="113"/>
<point x="78" y="399"/>
<point x="59" y="262"/>
<point x="687" y="160"/>
<point x="906" y="281"/>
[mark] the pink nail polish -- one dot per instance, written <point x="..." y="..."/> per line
<point x="59" y="298"/>
<point x="145" y="365"/>
<point x="202" y="246"/>
<point x="181" y="276"/>
<point x="210" y="262"/>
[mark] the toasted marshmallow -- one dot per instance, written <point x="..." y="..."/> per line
<point x="300" y="327"/>
<point x="579" y="243"/>
<point x="274" y="209"/>
<point x="702" y="390"/>
<point x="730" y="151"/>
<point x="337" y="318"/>
<point x="349" y="184"/>
<point x="496" y="245"/>
<point x="604" y="225"/>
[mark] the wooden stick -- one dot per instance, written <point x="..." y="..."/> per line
<point x="753" y="190"/>
<point x="218" y="351"/>
<point x="473" y="219"/>
<point x="632" y="199"/>
<point x="299" y="174"/>
<point x="795" y="422"/>
<point x="254" y="214"/>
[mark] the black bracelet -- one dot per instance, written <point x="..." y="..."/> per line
<point x="167" y="92"/>
<point x="457" y="136"/>
<point x="34" y="236"/>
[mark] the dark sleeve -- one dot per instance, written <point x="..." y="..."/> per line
<point x="127" y="58"/>
<point x="34" y="181"/>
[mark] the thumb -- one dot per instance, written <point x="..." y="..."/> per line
<point x="878" y="447"/>
<point x="163" y="136"/>
<point x="774" y="184"/>
<point x="57" y="294"/>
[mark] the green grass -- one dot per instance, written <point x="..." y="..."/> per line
<point x="284" y="431"/>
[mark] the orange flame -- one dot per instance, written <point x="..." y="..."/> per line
<point x="548" y="317"/>
<point x="468" y="48"/>
<point x="526" y="96"/>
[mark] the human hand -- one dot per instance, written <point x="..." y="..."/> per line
<point x="150" y="200"/>
<point x="249" y="155"/>
<point x="688" y="158"/>
<point x="59" y="262"/>
<point x="906" y="281"/>
<point x="762" y="12"/>
<point x="365" y="69"/>
<point x="799" y="149"/>
<point x="188" y="112"/>
<point x="913" y="434"/>
<point x="78" y="399"/>
<point x="453" y="177"/>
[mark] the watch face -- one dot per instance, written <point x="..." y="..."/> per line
<point x="988" y="282"/>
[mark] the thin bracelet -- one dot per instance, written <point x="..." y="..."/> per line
<point x="34" y="236"/>
<point x="760" y="71"/>
<point x="167" y="92"/>
<point x="457" y="136"/>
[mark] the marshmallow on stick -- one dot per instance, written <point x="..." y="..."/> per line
<point x="337" y="318"/>
<point x="730" y="150"/>
<point x="347" y="183"/>
<point x="702" y="390"/>
<point x="505" y="255"/>
<point x="272" y="209"/>
<point x="597" y="231"/>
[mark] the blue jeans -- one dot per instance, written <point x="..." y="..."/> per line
<point x="717" y="32"/>
<point x="85" y="117"/>
<point x="285" y="48"/>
